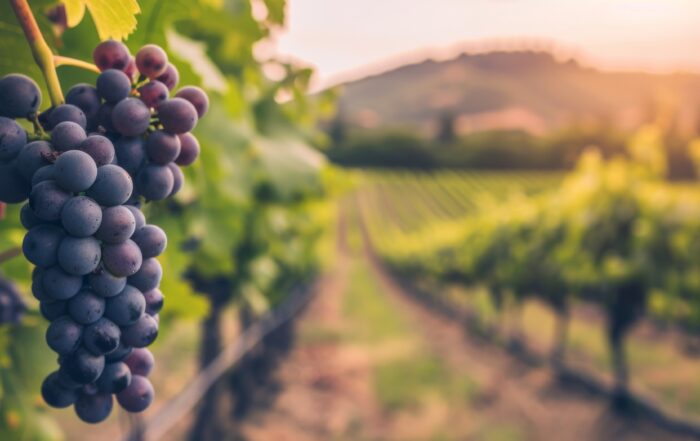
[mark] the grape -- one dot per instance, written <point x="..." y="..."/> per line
<point x="67" y="112"/>
<point x="64" y="335"/>
<point x="56" y="394"/>
<point x="171" y="77"/>
<point x="148" y="277"/>
<point x="152" y="241"/>
<point x="99" y="148"/>
<point x="197" y="97"/>
<point x="138" y="216"/>
<point x="79" y="256"/>
<point x="104" y="116"/>
<point x="41" y="243"/>
<point x="131" y="117"/>
<point x="131" y="70"/>
<point x="13" y="187"/>
<point x="101" y="337"/>
<point x="178" y="178"/>
<point x="138" y="396"/>
<point x="113" y="186"/>
<point x="155" y="182"/>
<point x="59" y="285"/>
<point x="118" y="224"/>
<point x="82" y="366"/>
<point x="94" y="409"/>
<point x="154" y="301"/>
<point x="122" y="259"/>
<point x="153" y="93"/>
<point x="142" y="333"/>
<point x="67" y="136"/>
<point x="119" y="354"/>
<point x="151" y="61"/>
<point x="189" y="149"/>
<point x="140" y="362"/>
<point x="177" y="115"/>
<point x="12" y="306"/>
<point x="105" y="284"/>
<point x="12" y="138"/>
<point x="131" y="154"/>
<point x="162" y="147"/>
<point x="81" y="216"/>
<point x="75" y="171"/>
<point x="37" y="288"/>
<point x="32" y="157"/>
<point x="126" y="308"/>
<point x="115" y="378"/>
<point x="113" y="85"/>
<point x="53" y="309"/>
<point x="47" y="200"/>
<point x="45" y="173"/>
<point x="111" y="54"/>
<point x="86" y="307"/>
<point x="20" y="96"/>
<point x="85" y="97"/>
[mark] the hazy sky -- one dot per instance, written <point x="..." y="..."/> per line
<point x="344" y="38"/>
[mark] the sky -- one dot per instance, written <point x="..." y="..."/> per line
<point x="346" y="39"/>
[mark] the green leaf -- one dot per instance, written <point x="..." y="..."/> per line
<point x="113" y="19"/>
<point x="275" y="11"/>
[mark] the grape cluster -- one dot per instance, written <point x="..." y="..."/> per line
<point x="12" y="306"/>
<point x="97" y="277"/>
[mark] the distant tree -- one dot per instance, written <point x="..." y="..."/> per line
<point x="338" y="129"/>
<point x="446" y="128"/>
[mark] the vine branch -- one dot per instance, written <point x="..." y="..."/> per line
<point x="9" y="254"/>
<point x="41" y="51"/>
<point x="59" y="60"/>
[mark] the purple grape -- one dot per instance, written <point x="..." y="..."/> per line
<point x="47" y="200"/>
<point x="101" y="337"/>
<point x="123" y="259"/>
<point x="170" y="77"/>
<point x="63" y="335"/>
<point x="59" y="285"/>
<point x="111" y="54"/>
<point x="20" y="96"/>
<point x="79" y="256"/>
<point x="12" y="138"/>
<point x="118" y="225"/>
<point x="13" y="187"/>
<point x="152" y="241"/>
<point x="148" y="276"/>
<point x="126" y="308"/>
<point x="67" y="136"/>
<point x="151" y="61"/>
<point x="113" y="85"/>
<point x="32" y="157"/>
<point x="189" y="150"/>
<point x="131" y="117"/>
<point x="155" y="182"/>
<point x="55" y="394"/>
<point x="119" y="354"/>
<point x="104" y="117"/>
<point x="154" y="301"/>
<point x="162" y="147"/>
<point x="138" y="216"/>
<point x="131" y="154"/>
<point x="45" y="173"/>
<point x="67" y="112"/>
<point x="85" y="97"/>
<point x="112" y="187"/>
<point x="177" y="115"/>
<point x="41" y="244"/>
<point x="153" y="93"/>
<point x="81" y="216"/>
<point x="82" y="366"/>
<point x="138" y="396"/>
<point x="75" y="171"/>
<point x="115" y="378"/>
<point x="86" y="307"/>
<point x="94" y="409"/>
<point x="53" y="309"/>
<point x="100" y="149"/>
<point x="142" y="333"/>
<point x="197" y="97"/>
<point x="178" y="178"/>
<point x="105" y="284"/>
<point x="140" y="362"/>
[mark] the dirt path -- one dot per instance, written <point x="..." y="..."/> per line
<point x="330" y="389"/>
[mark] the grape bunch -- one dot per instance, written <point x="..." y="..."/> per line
<point x="96" y="274"/>
<point x="12" y="306"/>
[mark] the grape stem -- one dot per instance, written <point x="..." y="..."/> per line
<point x="43" y="56"/>
<point x="59" y="60"/>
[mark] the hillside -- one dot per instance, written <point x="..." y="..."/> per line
<point x="530" y="90"/>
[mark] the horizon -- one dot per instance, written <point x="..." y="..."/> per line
<point x="346" y="42"/>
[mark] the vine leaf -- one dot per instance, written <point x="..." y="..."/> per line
<point x="113" y="19"/>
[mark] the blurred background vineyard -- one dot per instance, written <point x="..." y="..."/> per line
<point x="499" y="244"/>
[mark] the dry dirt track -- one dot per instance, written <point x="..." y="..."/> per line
<point x="327" y="386"/>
